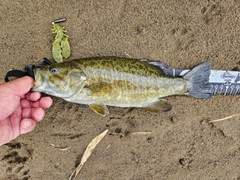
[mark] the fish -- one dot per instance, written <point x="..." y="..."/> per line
<point x="114" y="81"/>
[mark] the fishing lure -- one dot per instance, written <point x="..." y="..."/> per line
<point x="60" y="47"/>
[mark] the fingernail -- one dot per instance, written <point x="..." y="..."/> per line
<point x="27" y="123"/>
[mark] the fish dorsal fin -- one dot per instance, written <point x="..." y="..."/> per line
<point x="99" y="109"/>
<point x="158" y="106"/>
<point x="162" y="67"/>
<point x="100" y="89"/>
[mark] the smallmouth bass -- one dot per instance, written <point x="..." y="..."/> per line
<point x="121" y="82"/>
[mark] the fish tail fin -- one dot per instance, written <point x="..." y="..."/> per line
<point x="199" y="81"/>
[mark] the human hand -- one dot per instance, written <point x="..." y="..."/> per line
<point x="20" y="109"/>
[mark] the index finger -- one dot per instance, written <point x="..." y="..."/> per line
<point x="33" y="96"/>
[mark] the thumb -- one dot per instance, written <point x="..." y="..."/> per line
<point x="17" y="87"/>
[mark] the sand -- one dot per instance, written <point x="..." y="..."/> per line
<point x="183" y="144"/>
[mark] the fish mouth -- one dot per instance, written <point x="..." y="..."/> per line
<point x="39" y="81"/>
<point x="37" y="87"/>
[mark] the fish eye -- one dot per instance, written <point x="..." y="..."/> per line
<point x="53" y="70"/>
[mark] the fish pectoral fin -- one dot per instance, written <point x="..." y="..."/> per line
<point x="99" y="109"/>
<point x="159" y="106"/>
<point x="100" y="89"/>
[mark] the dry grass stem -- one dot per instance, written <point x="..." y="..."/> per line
<point x="127" y="54"/>
<point x="60" y="148"/>
<point x="140" y="133"/>
<point x="124" y="134"/>
<point x="91" y="146"/>
<point x="226" y="118"/>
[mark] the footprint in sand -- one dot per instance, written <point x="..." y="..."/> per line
<point x="18" y="154"/>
